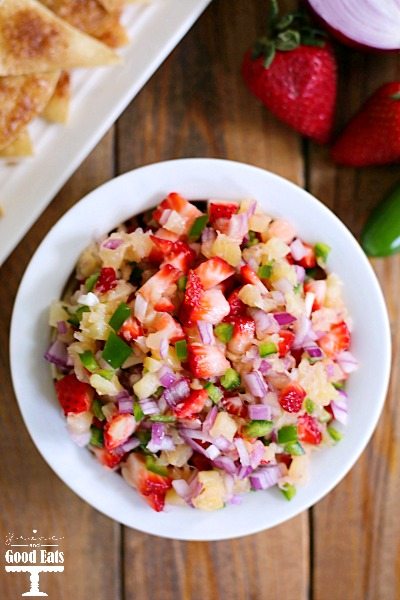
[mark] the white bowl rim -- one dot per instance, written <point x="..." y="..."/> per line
<point x="152" y="526"/>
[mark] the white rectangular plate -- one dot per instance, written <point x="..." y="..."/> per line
<point x="99" y="97"/>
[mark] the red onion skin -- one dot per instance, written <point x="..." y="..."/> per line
<point x="341" y="37"/>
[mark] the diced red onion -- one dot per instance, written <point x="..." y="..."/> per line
<point x="178" y="391"/>
<point x="166" y="376"/>
<point x="235" y="499"/>
<point x="181" y="487"/>
<point x="373" y="24"/>
<point x="278" y="297"/>
<point x="283" y="285"/>
<point x="242" y="451"/>
<point x="314" y="352"/>
<point x="62" y="327"/>
<point x="212" y="452"/>
<point x="259" y="412"/>
<point x="210" y="419"/>
<point x="208" y="235"/>
<point x="226" y="464"/>
<point x="129" y="445"/>
<point x="238" y="226"/>
<point x="309" y="302"/>
<point x="80" y="439"/>
<point x="159" y="439"/>
<point x="140" y="307"/>
<point x="257" y="454"/>
<point x="297" y="249"/>
<point x="195" y="434"/>
<point x="265" y="323"/>
<point x="164" y="347"/>
<point x="252" y="263"/>
<point x="125" y="402"/>
<point x="300" y="273"/>
<point x="222" y="443"/>
<point x="194" y="445"/>
<point x="301" y="329"/>
<point x="284" y="318"/>
<point x="265" y="477"/>
<point x="252" y="208"/>
<point x="149" y="407"/>
<point x="347" y="362"/>
<point x="244" y="472"/>
<point x="57" y="354"/>
<point x="112" y="243"/>
<point x="164" y="216"/>
<point x="206" y="332"/>
<point x="264" y="367"/>
<point x="339" y="409"/>
<point x="256" y="384"/>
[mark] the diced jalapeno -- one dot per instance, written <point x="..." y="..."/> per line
<point x="288" y="490"/>
<point x="116" y="351"/>
<point x="287" y="433"/>
<point x="224" y="332"/>
<point x="258" y="428"/>
<point x="120" y="315"/>
<point x="267" y="348"/>
<point x="181" y="349"/>
<point x="230" y="379"/>
<point x="91" y="281"/>
<point x="197" y="228"/>
<point x="214" y="393"/>
<point x="96" y="437"/>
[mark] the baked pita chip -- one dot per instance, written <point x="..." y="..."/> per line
<point x="57" y="109"/>
<point x="118" y="5"/>
<point x="92" y="18"/>
<point x="34" y="40"/>
<point x="21" y="146"/>
<point x="22" y="98"/>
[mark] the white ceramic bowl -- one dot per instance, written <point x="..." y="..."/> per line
<point x="105" y="208"/>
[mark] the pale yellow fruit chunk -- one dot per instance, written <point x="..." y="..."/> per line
<point x="224" y="425"/>
<point x="147" y="386"/>
<point x="227" y="249"/>
<point x="313" y="379"/>
<point x="212" y="495"/>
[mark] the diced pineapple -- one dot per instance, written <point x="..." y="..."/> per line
<point x="299" y="469"/>
<point x="95" y="322"/>
<point x="104" y="387"/>
<point x="241" y="486"/>
<point x="151" y="364"/>
<point x="175" y="223"/>
<point x="294" y="304"/>
<point x="283" y="230"/>
<point x="112" y="258"/>
<point x="334" y="286"/>
<point x="139" y="245"/>
<point x="147" y="386"/>
<point x="282" y="270"/>
<point x="274" y="249"/>
<point x="88" y="262"/>
<point x="212" y="494"/>
<point x="173" y="498"/>
<point x="227" y="249"/>
<point x="57" y="313"/>
<point x="251" y="295"/>
<point x="224" y="425"/>
<point x="179" y="456"/>
<point x="313" y="379"/>
<point x="323" y="318"/>
<point x="259" y="223"/>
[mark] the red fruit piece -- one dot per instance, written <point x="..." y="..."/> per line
<point x="237" y="307"/>
<point x="200" y="462"/>
<point x="308" y="430"/>
<point x="165" y="246"/>
<point x="249" y="276"/>
<point x="212" y="308"/>
<point x="181" y="256"/>
<point x="192" y="405"/>
<point x="207" y="361"/>
<point x="194" y="290"/>
<point x="74" y="396"/>
<point x="221" y="210"/>
<point x="151" y="486"/>
<point x="318" y="288"/>
<point x="336" y="340"/>
<point x="214" y="271"/>
<point x="108" y="459"/>
<point x="177" y="203"/>
<point x="299" y="87"/>
<point x="118" y="430"/>
<point x="291" y="397"/>
<point x="309" y="260"/>
<point x="158" y="284"/>
<point x="372" y="137"/>
<point x="243" y="333"/>
<point x="234" y="405"/>
<point x="131" y="329"/>
<point x="285" y="342"/>
<point x="164" y="305"/>
<point x="107" y="280"/>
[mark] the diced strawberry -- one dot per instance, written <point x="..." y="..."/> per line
<point x="318" y="288"/>
<point x="74" y="396"/>
<point x="207" y="361"/>
<point x="181" y="256"/>
<point x="221" y="210"/>
<point x="282" y="229"/>
<point x="286" y="339"/>
<point x="212" y="308"/>
<point x="164" y="305"/>
<point x="165" y="246"/>
<point x="309" y="259"/>
<point x="107" y="280"/>
<point x="164" y="234"/>
<point x="118" y="430"/>
<point x="214" y="271"/>
<point x="336" y="340"/>
<point x="244" y="330"/>
<point x="192" y="405"/>
<point x="291" y="397"/>
<point x="237" y="307"/>
<point x="158" y="284"/>
<point x="108" y="459"/>
<point x="194" y="290"/>
<point x="249" y="276"/>
<point x="234" y="405"/>
<point x="151" y="486"/>
<point x="308" y="430"/>
<point x="184" y="208"/>
<point x="284" y="458"/>
<point x="131" y="329"/>
<point x="170" y="328"/>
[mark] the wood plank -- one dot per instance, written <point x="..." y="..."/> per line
<point x="32" y="497"/>
<point x="197" y="105"/>
<point x="356" y="528"/>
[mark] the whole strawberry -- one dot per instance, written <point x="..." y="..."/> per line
<point x="372" y="137"/>
<point x="293" y="72"/>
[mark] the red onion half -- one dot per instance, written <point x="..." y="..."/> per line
<point x="368" y="23"/>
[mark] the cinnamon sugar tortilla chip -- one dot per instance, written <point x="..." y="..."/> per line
<point x="57" y="109"/>
<point x="21" y="146"/>
<point x="92" y="18"/>
<point x="34" y="40"/>
<point x="22" y="98"/>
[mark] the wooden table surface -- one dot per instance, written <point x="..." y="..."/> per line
<point x="347" y="547"/>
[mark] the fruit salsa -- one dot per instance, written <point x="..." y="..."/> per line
<point x="203" y="353"/>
